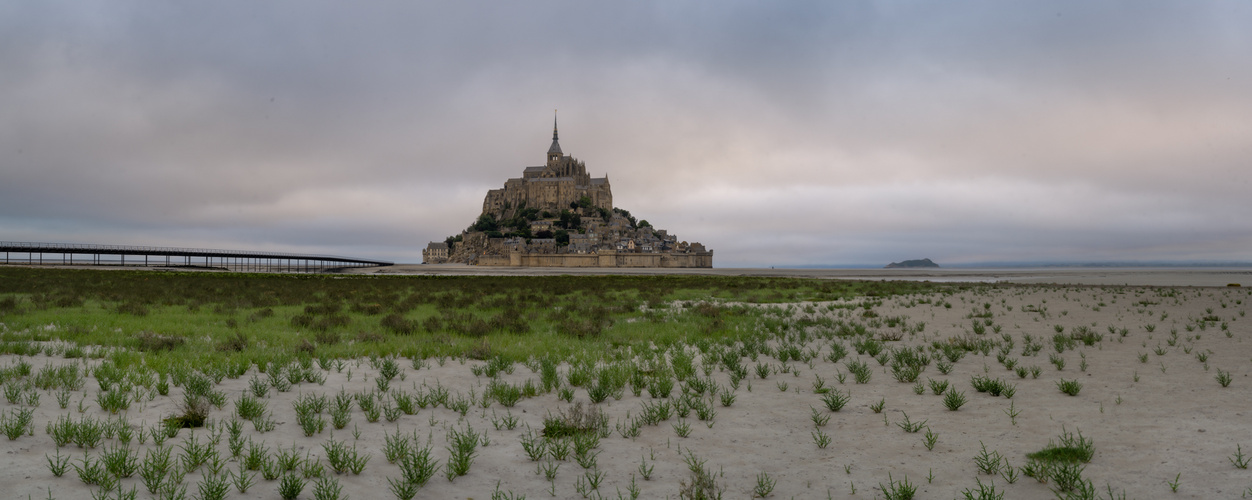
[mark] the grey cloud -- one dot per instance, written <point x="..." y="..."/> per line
<point x="323" y="126"/>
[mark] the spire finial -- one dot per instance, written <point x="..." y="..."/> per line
<point x="554" y="152"/>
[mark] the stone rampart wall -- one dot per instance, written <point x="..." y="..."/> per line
<point x="494" y="260"/>
<point x="669" y="260"/>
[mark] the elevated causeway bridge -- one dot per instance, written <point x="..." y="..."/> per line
<point x="231" y="260"/>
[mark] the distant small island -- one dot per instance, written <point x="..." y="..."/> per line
<point x="912" y="263"/>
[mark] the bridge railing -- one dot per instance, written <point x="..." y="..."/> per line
<point x="241" y="258"/>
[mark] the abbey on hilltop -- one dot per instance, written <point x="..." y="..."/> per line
<point x="557" y="215"/>
<point x="562" y="181"/>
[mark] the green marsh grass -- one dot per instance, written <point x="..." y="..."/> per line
<point x="861" y="371"/>
<point x="988" y="462"/>
<point x="343" y="459"/>
<point x="819" y="419"/>
<point x="290" y="486"/>
<point x="1068" y="447"/>
<point x="511" y="318"/>
<point x="1239" y="460"/>
<point x="910" y="426"/>
<point x="953" y="400"/>
<point x="898" y="490"/>
<point x="57" y="464"/>
<point x="835" y="400"/>
<point x="1069" y="387"/>
<point x="764" y="486"/>
<point x="1224" y="378"/>
<point x="929" y="439"/>
<point x="821" y="438"/>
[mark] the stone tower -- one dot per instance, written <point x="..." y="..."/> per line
<point x="554" y="152"/>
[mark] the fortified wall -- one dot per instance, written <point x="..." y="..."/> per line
<point x="602" y="259"/>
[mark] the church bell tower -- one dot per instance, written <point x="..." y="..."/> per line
<point x="554" y="152"/>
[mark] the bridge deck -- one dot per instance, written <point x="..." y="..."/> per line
<point x="45" y="253"/>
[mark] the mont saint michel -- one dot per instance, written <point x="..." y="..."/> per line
<point x="557" y="215"/>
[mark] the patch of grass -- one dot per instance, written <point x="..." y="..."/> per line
<point x="821" y="438"/>
<point x="835" y="400"/>
<point x="954" y="400"/>
<point x="984" y="492"/>
<point x="1224" y="378"/>
<point x="462" y="446"/>
<point x="58" y="464"/>
<point x="819" y="419"/>
<point x="702" y="483"/>
<point x="120" y="461"/>
<point x="417" y="468"/>
<point x="1057" y="361"/>
<point x="576" y="419"/>
<point x="910" y="426"/>
<point x="898" y="490"/>
<point x="249" y="407"/>
<point x="1068" y="447"/>
<point x="466" y="312"/>
<point x="343" y="459"/>
<point x="682" y="428"/>
<point x="1239" y="459"/>
<point x="994" y="387"/>
<point x="1069" y="387"/>
<point x="290" y="486"/>
<point x="988" y="462"/>
<point x="327" y="488"/>
<point x="861" y="371"/>
<point x="764" y="486"/>
<point x="930" y="439"/>
<point x="17" y="422"/>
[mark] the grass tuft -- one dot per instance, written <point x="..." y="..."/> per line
<point x="835" y="400"/>
<point x="1070" y="387"/>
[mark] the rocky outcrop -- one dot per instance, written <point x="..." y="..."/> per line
<point x="912" y="263"/>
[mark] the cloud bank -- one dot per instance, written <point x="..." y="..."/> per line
<point x="778" y="134"/>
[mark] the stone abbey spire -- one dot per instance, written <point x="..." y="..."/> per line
<point x="554" y="152"/>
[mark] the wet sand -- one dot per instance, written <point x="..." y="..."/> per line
<point x="1110" y="276"/>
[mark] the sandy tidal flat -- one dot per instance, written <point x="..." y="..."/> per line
<point x="1101" y="276"/>
<point x="1150" y="402"/>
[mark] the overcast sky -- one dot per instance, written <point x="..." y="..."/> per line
<point x="776" y="133"/>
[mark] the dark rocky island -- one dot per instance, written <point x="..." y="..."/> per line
<point x="912" y="263"/>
